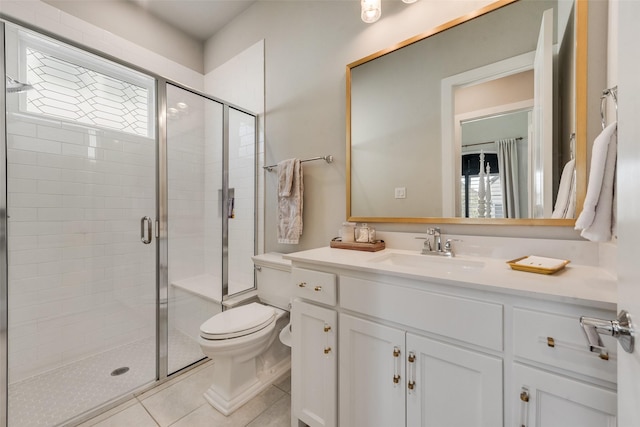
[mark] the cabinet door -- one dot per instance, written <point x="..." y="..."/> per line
<point x="372" y="390"/>
<point x="313" y="365"/>
<point x="449" y="386"/>
<point x="543" y="399"/>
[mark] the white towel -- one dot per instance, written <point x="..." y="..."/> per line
<point x="290" y="191"/>
<point x="565" y="201"/>
<point x="597" y="217"/>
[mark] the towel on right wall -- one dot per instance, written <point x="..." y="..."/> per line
<point x="597" y="219"/>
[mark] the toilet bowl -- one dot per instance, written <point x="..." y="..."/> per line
<point x="243" y="341"/>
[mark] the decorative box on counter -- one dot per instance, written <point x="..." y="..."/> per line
<point x="358" y="246"/>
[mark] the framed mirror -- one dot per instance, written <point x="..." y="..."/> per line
<point x="474" y="121"/>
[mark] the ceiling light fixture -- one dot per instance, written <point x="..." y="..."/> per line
<point x="371" y="10"/>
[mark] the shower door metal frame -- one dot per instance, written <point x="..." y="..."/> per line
<point x="160" y="222"/>
<point x="162" y="253"/>
<point x="4" y="264"/>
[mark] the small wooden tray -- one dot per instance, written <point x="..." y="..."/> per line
<point x="536" y="269"/>
<point x="357" y="246"/>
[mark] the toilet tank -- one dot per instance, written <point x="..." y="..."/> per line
<point x="273" y="279"/>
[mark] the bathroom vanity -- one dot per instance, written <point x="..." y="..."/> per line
<point x="395" y="338"/>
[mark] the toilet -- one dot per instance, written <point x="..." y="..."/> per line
<point x="247" y="342"/>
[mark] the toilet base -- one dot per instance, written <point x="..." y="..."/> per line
<point x="263" y="380"/>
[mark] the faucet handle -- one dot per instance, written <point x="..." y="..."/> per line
<point x="427" y="244"/>
<point x="433" y="231"/>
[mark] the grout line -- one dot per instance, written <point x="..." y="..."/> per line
<point x="150" y="414"/>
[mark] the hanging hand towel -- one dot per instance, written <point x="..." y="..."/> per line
<point x="597" y="218"/>
<point x="290" y="191"/>
<point x="565" y="201"/>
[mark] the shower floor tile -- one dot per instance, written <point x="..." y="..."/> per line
<point x="52" y="398"/>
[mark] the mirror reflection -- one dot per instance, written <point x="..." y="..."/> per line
<point x="482" y="133"/>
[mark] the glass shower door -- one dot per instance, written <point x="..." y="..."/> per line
<point x="81" y="184"/>
<point x="242" y="200"/>
<point x="194" y="211"/>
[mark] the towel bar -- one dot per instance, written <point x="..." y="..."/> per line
<point x="327" y="158"/>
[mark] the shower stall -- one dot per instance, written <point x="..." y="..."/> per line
<point x="127" y="218"/>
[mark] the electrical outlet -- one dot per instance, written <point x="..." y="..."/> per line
<point x="401" y="193"/>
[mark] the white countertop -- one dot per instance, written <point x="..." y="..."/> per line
<point x="574" y="284"/>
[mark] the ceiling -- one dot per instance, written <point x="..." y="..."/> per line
<point x="200" y="19"/>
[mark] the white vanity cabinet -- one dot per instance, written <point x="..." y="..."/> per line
<point x="440" y="348"/>
<point x="550" y="400"/>
<point x="314" y="353"/>
<point x="372" y="373"/>
<point x="557" y="381"/>
<point x="389" y="377"/>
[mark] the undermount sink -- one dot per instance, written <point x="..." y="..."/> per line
<point x="428" y="262"/>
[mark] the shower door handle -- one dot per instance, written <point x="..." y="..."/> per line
<point x="145" y="237"/>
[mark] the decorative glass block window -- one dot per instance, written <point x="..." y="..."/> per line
<point x="69" y="91"/>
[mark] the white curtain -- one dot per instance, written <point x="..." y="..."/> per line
<point x="508" y="169"/>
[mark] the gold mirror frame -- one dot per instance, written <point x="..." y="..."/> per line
<point x="581" y="20"/>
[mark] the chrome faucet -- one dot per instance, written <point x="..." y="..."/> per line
<point x="437" y="238"/>
<point x="434" y="246"/>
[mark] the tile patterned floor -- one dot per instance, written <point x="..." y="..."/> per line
<point x="52" y="398"/>
<point x="180" y="403"/>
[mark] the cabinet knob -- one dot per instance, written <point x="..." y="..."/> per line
<point x="327" y="350"/>
<point x="327" y="328"/>
<point x="551" y="342"/>
<point x="317" y="288"/>
<point x="524" y="396"/>
<point x="411" y="385"/>
<point x="302" y="284"/>
<point x="396" y="379"/>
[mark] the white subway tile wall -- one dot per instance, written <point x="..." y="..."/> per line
<point x="242" y="163"/>
<point x="213" y="162"/>
<point x="80" y="280"/>
<point x="186" y="146"/>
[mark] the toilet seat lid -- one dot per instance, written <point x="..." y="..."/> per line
<point x="238" y="321"/>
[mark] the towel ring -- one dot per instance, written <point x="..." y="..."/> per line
<point x="603" y="103"/>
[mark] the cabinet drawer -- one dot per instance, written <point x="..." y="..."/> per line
<point x="473" y="321"/>
<point x="558" y="340"/>
<point x="314" y="285"/>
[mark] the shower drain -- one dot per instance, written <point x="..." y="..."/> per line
<point x="120" y="371"/>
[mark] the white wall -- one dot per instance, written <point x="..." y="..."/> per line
<point x="130" y="21"/>
<point x="63" y="24"/>
<point x="307" y="47"/>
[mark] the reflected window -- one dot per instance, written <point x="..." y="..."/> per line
<point x="470" y="186"/>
